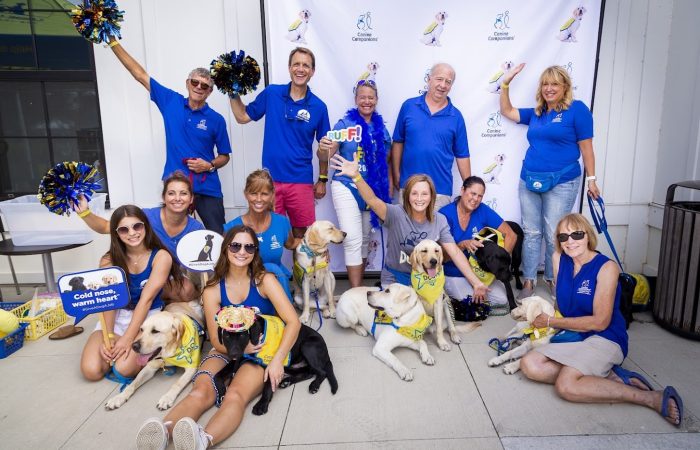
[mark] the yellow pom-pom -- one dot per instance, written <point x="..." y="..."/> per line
<point x="8" y="322"/>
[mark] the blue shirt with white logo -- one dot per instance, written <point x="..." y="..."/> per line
<point x="431" y="141"/>
<point x="271" y="240"/>
<point x="482" y="216"/>
<point x="290" y="130"/>
<point x="575" y="295"/>
<point x="169" y="242"/>
<point x="554" y="138"/>
<point x="190" y="134"/>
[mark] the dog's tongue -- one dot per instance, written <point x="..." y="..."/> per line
<point x="432" y="272"/>
<point x="142" y="360"/>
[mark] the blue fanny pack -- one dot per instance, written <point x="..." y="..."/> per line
<point x="544" y="181"/>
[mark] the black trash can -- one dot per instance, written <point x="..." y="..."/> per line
<point x="677" y="300"/>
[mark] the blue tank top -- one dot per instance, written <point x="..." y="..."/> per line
<point x="575" y="297"/>
<point x="254" y="299"/>
<point x="138" y="281"/>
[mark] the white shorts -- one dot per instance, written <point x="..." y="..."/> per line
<point x="122" y="320"/>
<point x="459" y="288"/>
<point x="354" y="222"/>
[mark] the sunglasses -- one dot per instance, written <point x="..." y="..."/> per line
<point x="366" y="83"/>
<point x="196" y="83"/>
<point x="235" y="247"/>
<point x="124" y="229"/>
<point x="576" y="236"/>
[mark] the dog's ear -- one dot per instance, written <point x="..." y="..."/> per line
<point x="220" y="333"/>
<point x="313" y="238"/>
<point x="440" y="255"/>
<point x="534" y="309"/>
<point x="413" y="259"/>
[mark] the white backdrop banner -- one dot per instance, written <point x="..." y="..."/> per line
<point x="396" y="42"/>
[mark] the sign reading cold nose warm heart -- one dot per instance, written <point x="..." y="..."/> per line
<point x="199" y="250"/>
<point x="94" y="291"/>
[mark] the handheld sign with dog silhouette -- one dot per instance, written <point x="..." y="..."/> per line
<point x="94" y="291"/>
<point x="199" y="250"/>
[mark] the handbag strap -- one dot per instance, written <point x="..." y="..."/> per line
<point x="601" y="224"/>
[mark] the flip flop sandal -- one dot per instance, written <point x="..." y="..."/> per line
<point x="627" y="376"/>
<point x="671" y="393"/>
<point x="65" y="331"/>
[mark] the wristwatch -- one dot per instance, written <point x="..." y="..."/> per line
<point x="212" y="169"/>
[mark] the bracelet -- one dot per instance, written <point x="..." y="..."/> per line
<point x="113" y="43"/>
<point x="548" y="317"/>
<point x="111" y="335"/>
<point x="591" y="178"/>
<point x="323" y="178"/>
<point x="85" y="213"/>
<point x="504" y="85"/>
<point x="356" y="179"/>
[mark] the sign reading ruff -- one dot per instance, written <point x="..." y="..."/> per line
<point x="94" y="291"/>
<point x="199" y="250"/>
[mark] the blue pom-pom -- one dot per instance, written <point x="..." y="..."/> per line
<point x="62" y="186"/>
<point x="235" y="73"/>
<point x="97" y="20"/>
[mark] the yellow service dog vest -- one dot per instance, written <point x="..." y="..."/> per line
<point x="414" y="332"/>
<point x="272" y="337"/>
<point x="484" y="234"/>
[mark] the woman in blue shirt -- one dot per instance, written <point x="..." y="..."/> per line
<point x="560" y="131"/>
<point x="466" y="216"/>
<point x="273" y="230"/>
<point x="588" y="297"/>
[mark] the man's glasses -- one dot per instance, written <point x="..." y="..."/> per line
<point x="235" y="247"/>
<point x="576" y="236"/>
<point x="196" y="83"/>
<point x="124" y="229"/>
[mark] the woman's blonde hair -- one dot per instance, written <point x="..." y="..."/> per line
<point x="417" y="178"/>
<point x="554" y="74"/>
<point x="257" y="181"/>
<point x="576" y="222"/>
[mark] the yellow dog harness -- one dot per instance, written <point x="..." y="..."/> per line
<point x="430" y="288"/>
<point x="414" y="331"/>
<point x="189" y="351"/>
<point x="536" y="333"/>
<point x="272" y="337"/>
<point x="486" y="233"/>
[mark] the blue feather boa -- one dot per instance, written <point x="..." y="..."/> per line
<point x="375" y="156"/>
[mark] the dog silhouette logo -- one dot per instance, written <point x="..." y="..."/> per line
<point x="432" y="33"/>
<point x="567" y="32"/>
<point x="494" y="120"/>
<point x="502" y="19"/>
<point x="297" y="30"/>
<point x="205" y="253"/>
<point x="364" y="21"/>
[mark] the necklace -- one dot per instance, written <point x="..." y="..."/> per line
<point x="135" y="261"/>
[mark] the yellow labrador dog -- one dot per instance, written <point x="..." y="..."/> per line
<point x="312" y="272"/>
<point x="394" y="316"/>
<point x="172" y="337"/>
<point x="428" y="279"/>
<point x="530" y="308"/>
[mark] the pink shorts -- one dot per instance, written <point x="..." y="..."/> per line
<point x="296" y="200"/>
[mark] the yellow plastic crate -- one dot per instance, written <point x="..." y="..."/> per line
<point x="43" y="323"/>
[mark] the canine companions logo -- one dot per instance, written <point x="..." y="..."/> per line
<point x="297" y="30"/>
<point x="585" y="288"/>
<point x="431" y="35"/>
<point x="569" y="67"/>
<point x="495" y="82"/>
<point x="567" y="32"/>
<point x="492" y="172"/>
<point x="202" y="125"/>
<point x="557" y="118"/>
<point x="364" y="27"/>
<point x="493" y="126"/>
<point x="493" y="203"/>
<point x="501" y="24"/>
<point x="426" y="77"/>
<point x="364" y="21"/>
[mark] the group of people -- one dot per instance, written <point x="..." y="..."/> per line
<point x="417" y="166"/>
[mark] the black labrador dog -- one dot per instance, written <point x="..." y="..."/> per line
<point x="495" y="259"/>
<point x="517" y="256"/>
<point x="309" y="358"/>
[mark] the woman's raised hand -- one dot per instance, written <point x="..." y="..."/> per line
<point x="512" y="73"/>
<point x="345" y="167"/>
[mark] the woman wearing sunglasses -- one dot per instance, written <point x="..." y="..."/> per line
<point x="586" y="369"/>
<point x="170" y="221"/>
<point x="273" y="230"/>
<point x="239" y="279"/>
<point x="372" y="152"/>
<point x="136" y="249"/>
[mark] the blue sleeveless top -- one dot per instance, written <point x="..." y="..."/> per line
<point x="138" y="281"/>
<point x="575" y="297"/>
<point x="254" y="299"/>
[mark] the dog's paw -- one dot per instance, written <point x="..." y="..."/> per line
<point x="285" y="383"/>
<point x="428" y="359"/>
<point x="493" y="362"/>
<point x="361" y="331"/>
<point x="115" y="402"/>
<point x="444" y="346"/>
<point x="305" y="319"/>
<point x="511" y="368"/>
<point x="327" y="314"/>
<point x="260" y="408"/>
<point x="456" y="338"/>
<point x="165" y="402"/>
<point x="406" y="375"/>
<point x="331" y="314"/>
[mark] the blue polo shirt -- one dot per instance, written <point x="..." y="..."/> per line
<point x="482" y="216"/>
<point x="290" y="130"/>
<point x="191" y="134"/>
<point x="431" y="141"/>
<point x="554" y="138"/>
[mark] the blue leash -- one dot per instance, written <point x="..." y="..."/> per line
<point x="502" y="346"/>
<point x="601" y="225"/>
<point x="318" y="309"/>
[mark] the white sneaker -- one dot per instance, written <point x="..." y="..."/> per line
<point x="153" y="435"/>
<point x="189" y="435"/>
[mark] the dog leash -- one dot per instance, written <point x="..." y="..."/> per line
<point x="318" y="308"/>
<point x="601" y="225"/>
<point x="502" y="346"/>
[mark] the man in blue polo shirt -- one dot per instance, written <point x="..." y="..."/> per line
<point x="430" y="134"/>
<point x="294" y="118"/>
<point x="192" y="129"/>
